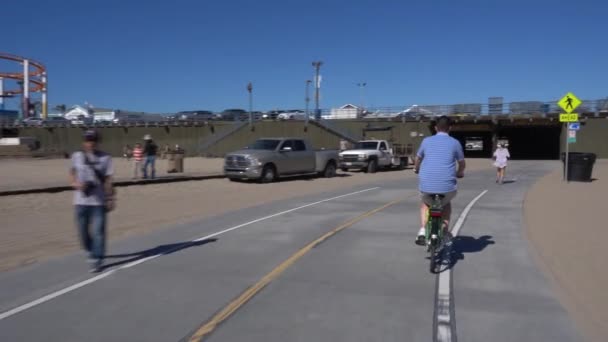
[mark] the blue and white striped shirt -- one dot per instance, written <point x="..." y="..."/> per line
<point x="439" y="154"/>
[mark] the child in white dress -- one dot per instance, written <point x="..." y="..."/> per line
<point x="501" y="155"/>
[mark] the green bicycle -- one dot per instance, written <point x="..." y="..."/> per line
<point x="434" y="232"/>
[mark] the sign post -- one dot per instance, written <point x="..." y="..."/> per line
<point x="569" y="103"/>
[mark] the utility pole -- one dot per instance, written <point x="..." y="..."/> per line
<point x="361" y="89"/>
<point x="1" y="93"/>
<point x="250" y="90"/>
<point x="317" y="66"/>
<point x="307" y="99"/>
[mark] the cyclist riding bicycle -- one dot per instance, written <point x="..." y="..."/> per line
<point x="440" y="160"/>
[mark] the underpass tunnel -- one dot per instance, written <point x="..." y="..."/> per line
<point x="476" y="144"/>
<point x="532" y="142"/>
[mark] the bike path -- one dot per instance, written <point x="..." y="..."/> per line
<point x="164" y="298"/>
<point x="368" y="282"/>
<point x="500" y="294"/>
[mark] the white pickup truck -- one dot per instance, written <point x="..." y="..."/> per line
<point x="371" y="155"/>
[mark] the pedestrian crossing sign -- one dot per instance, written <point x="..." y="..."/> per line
<point x="569" y="103"/>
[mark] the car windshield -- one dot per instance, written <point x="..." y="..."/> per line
<point x="366" y="145"/>
<point x="265" y="144"/>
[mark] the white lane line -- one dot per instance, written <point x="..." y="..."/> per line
<point x="76" y="286"/>
<point x="282" y="213"/>
<point x="444" y="303"/>
<point x="53" y="295"/>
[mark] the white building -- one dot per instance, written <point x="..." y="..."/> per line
<point x="348" y="111"/>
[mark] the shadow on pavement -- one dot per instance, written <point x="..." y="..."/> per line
<point x="162" y="249"/>
<point x="462" y="245"/>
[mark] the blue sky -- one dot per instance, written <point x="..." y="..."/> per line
<point x="163" y="56"/>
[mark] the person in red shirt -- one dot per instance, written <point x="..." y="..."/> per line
<point x="138" y="157"/>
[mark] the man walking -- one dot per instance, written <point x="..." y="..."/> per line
<point x="150" y="151"/>
<point x="91" y="174"/>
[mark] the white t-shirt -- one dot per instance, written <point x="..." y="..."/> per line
<point x="501" y="155"/>
<point x="102" y="162"/>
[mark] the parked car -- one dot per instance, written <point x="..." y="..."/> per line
<point x="271" y="115"/>
<point x="56" y="120"/>
<point x="369" y="155"/>
<point x="294" y="114"/>
<point x="32" y="121"/>
<point x="81" y="120"/>
<point x="234" y="115"/>
<point x="196" y="115"/>
<point x="269" y="159"/>
<point x="129" y="119"/>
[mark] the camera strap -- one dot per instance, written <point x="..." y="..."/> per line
<point x="98" y="174"/>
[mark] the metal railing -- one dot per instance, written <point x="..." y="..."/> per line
<point x="517" y="108"/>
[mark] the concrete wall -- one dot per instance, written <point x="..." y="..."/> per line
<point x="319" y="137"/>
<point x="67" y="140"/>
<point x="592" y="137"/>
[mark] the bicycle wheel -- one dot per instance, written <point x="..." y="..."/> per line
<point x="433" y="244"/>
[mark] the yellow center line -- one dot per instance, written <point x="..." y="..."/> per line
<point x="234" y="305"/>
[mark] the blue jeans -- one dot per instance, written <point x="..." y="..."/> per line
<point x="92" y="216"/>
<point x="149" y="160"/>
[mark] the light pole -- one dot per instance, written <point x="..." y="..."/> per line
<point x="361" y="86"/>
<point x="1" y="93"/>
<point x="317" y="66"/>
<point x="250" y="90"/>
<point x="307" y="100"/>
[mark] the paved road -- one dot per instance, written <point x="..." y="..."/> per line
<point x="368" y="282"/>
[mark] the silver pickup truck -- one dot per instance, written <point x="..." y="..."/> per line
<point x="271" y="158"/>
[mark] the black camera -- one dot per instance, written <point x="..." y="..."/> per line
<point x="88" y="188"/>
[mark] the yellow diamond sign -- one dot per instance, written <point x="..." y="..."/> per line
<point x="569" y="103"/>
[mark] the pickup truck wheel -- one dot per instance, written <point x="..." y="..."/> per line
<point x="330" y="170"/>
<point x="372" y="166"/>
<point x="268" y="174"/>
<point x="402" y="163"/>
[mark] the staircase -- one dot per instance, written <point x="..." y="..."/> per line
<point x="206" y="143"/>
<point x="331" y="127"/>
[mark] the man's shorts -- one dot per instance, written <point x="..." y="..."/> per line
<point x="428" y="200"/>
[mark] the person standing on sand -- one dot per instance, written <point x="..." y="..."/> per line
<point x="138" y="157"/>
<point x="150" y="152"/>
<point x="501" y="156"/>
<point x="127" y="152"/>
<point x="165" y="151"/>
<point x="91" y="174"/>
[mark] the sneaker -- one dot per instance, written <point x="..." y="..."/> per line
<point x="96" y="266"/>
<point x="421" y="238"/>
<point x="448" y="239"/>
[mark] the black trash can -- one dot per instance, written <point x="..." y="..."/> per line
<point x="580" y="166"/>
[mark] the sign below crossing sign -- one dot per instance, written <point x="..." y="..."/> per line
<point x="574" y="126"/>
<point x="572" y="117"/>
<point x="571" y="137"/>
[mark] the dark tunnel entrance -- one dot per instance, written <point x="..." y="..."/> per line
<point x="476" y="144"/>
<point x="532" y="142"/>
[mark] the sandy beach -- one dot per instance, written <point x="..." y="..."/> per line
<point x="32" y="173"/>
<point x="566" y="229"/>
